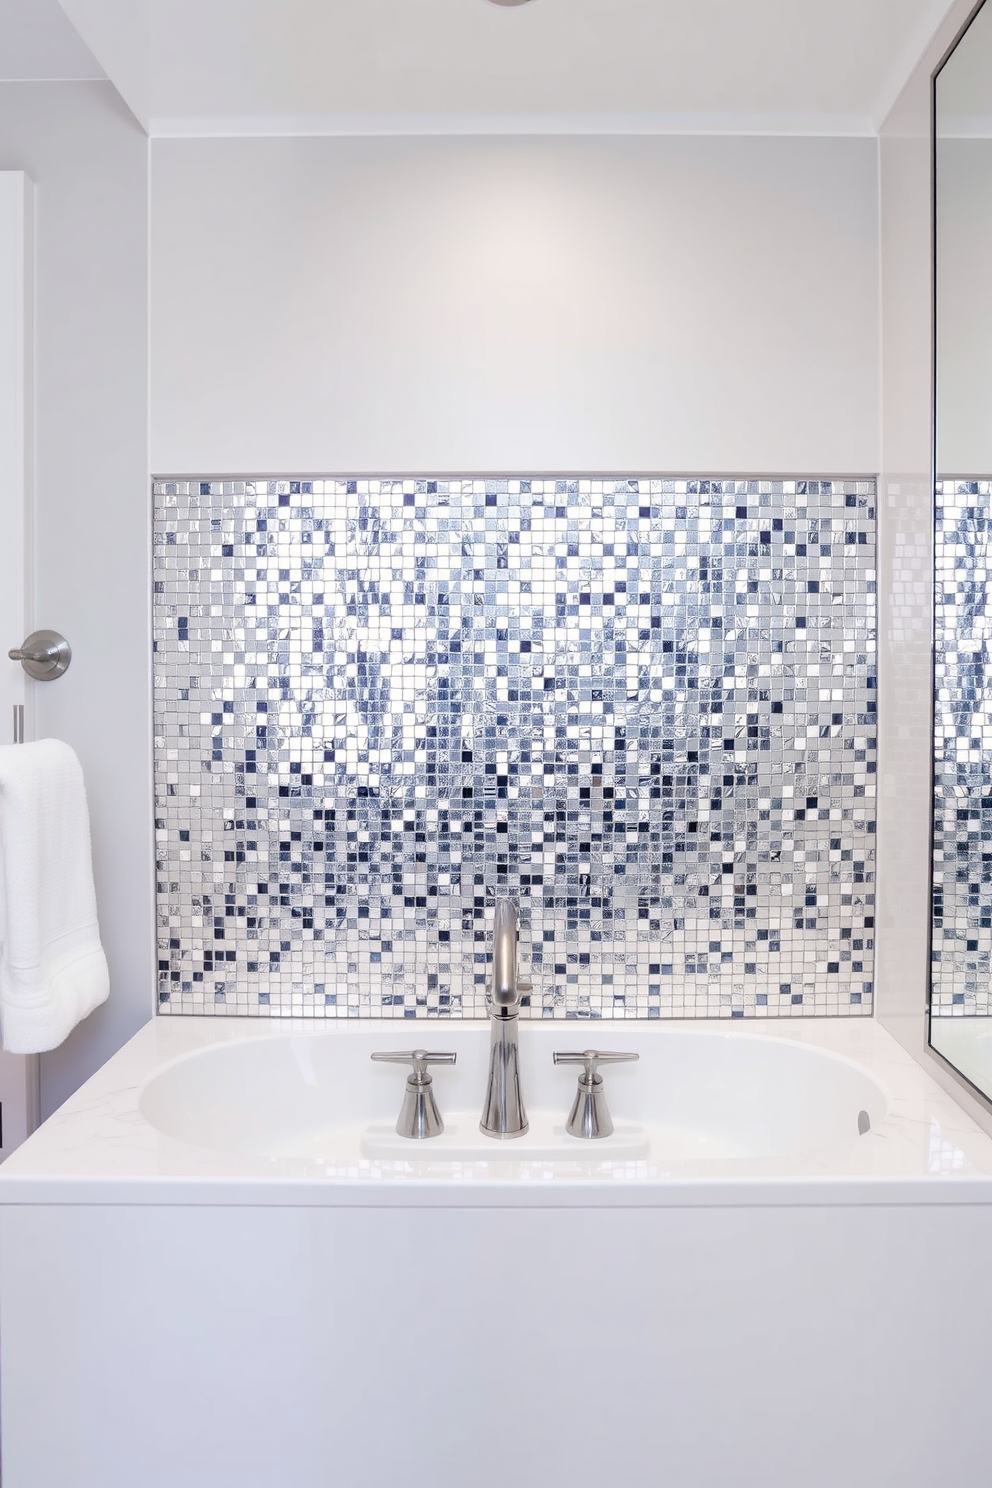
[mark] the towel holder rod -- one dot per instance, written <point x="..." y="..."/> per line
<point x="44" y="655"/>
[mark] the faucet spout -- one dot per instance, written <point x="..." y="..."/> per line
<point x="504" y="992"/>
<point x="503" y="1114"/>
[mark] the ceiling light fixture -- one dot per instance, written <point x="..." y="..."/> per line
<point x="509" y="2"/>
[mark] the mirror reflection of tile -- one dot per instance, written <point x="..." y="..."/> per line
<point x="962" y="888"/>
<point x="643" y="707"/>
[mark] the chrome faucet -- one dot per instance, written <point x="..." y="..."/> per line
<point x="503" y="1114"/>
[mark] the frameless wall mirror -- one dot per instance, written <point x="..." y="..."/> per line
<point x="961" y="971"/>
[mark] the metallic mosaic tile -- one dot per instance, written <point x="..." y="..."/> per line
<point x="962" y="845"/>
<point x="645" y="708"/>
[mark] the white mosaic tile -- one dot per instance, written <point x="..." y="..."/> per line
<point x="645" y="708"/>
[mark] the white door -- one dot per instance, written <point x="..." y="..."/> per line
<point x="18" y="1074"/>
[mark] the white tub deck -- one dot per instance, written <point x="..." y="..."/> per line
<point x="100" y="1148"/>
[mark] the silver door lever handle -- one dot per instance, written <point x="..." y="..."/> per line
<point x="44" y="655"/>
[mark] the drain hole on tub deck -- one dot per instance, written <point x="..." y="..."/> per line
<point x="864" y="1123"/>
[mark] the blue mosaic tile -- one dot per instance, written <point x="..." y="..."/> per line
<point x="645" y="708"/>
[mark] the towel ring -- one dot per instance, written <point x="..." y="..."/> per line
<point x="45" y="655"/>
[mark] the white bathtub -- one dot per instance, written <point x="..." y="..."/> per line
<point x="219" y="1266"/>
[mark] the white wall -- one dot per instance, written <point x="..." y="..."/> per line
<point x="964" y="305"/>
<point x="964" y="245"/>
<point x="664" y="303"/>
<point x="88" y="158"/>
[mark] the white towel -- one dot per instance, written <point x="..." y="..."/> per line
<point x="52" y="967"/>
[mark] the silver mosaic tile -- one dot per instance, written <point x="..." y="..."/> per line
<point x="962" y="846"/>
<point x="643" y="707"/>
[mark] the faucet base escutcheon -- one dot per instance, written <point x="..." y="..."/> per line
<point x="503" y="1114"/>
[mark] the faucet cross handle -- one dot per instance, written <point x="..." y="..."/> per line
<point x="419" y="1116"/>
<point x="419" y="1058"/>
<point x="592" y="1058"/>
<point x="589" y="1116"/>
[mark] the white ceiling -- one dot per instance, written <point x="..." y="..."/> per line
<point x="222" y="67"/>
<point x="38" y="43"/>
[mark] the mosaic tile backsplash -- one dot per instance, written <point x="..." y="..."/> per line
<point x="644" y="708"/>
<point x="962" y="889"/>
